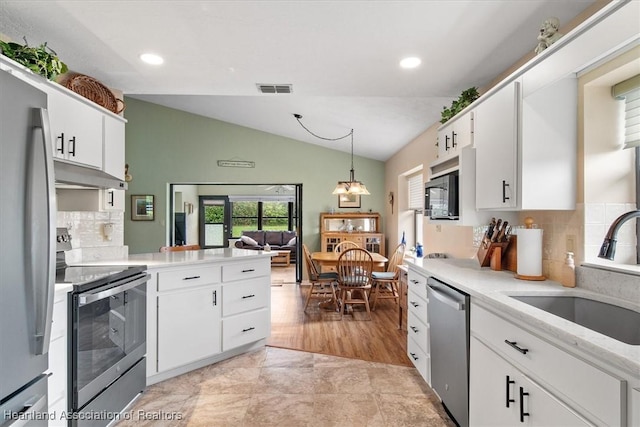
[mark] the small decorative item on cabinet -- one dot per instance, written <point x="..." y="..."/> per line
<point x="93" y="90"/>
<point x="142" y="208"/>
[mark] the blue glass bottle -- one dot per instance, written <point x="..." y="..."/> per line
<point x="419" y="253"/>
<point x="403" y="241"/>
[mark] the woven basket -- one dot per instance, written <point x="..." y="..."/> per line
<point x="92" y="89"/>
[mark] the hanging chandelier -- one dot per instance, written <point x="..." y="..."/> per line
<point x="344" y="187"/>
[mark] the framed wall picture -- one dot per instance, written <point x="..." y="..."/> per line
<point x="142" y="208"/>
<point x="348" y="200"/>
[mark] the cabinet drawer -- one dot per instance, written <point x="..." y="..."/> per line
<point x="595" y="390"/>
<point x="246" y="270"/>
<point x="245" y="328"/>
<point x="245" y="296"/>
<point x="187" y="277"/>
<point x="418" y="331"/>
<point x="419" y="359"/>
<point x="418" y="284"/>
<point x="417" y="306"/>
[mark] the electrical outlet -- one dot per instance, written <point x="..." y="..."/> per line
<point x="571" y="243"/>
<point x="438" y="228"/>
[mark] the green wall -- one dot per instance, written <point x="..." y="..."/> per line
<point x="165" y="146"/>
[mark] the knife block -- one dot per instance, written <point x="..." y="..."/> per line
<point x="497" y="255"/>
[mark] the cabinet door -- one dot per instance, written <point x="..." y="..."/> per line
<point x="496" y="139"/>
<point x="500" y="395"/>
<point x="113" y="138"/>
<point x="112" y="200"/>
<point x="76" y="129"/>
<point x="492" y="388"/>
<point x="189" y="326"/>
<point x="444" y="142"/>
<point x="462" y="132"/>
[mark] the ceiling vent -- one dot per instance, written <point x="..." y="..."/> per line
<point x="272" y="88"/>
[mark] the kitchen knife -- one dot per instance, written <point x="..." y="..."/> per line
<point x="492" y="224"/>
<point x="496" y="230"/>
<point x="502" y="232"/>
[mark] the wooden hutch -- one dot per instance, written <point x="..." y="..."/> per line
<point x="361" y="228"/>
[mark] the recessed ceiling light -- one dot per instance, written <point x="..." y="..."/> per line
<point x="411" y="62"/>
<point x="151" y="58"/>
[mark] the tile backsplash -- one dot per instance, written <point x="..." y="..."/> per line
<point x="88" y="238"/>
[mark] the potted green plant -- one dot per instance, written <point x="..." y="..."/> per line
<point x="41" y="59"/>
<point x="465" y="98"/>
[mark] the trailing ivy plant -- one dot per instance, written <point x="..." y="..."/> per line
<point x="465" y="98"/>
<point x="41" y="59"/>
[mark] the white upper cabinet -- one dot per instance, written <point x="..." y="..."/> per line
<point x="526" y="147"/>
<point x="113" y="146"/>
<point x="454" y="135"/>
<point x="76" y="129"/>
<point x="495" y="138"/>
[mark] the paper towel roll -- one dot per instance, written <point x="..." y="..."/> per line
<point x="529" y="252"/>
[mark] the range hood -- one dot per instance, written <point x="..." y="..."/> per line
<point x="69" y="174"/>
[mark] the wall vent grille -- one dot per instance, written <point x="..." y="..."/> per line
<point x="274" y="88"/>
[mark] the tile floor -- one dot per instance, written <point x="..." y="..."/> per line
<point x="281" y="387"/>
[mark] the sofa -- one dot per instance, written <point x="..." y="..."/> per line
<point x="277" y="240"/>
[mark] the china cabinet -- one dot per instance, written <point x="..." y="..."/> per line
<point x="361" y="228"/>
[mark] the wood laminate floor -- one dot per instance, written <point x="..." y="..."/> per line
<point x="321" y="331"/>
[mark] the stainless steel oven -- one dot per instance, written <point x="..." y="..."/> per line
<point x="107" y="341"/>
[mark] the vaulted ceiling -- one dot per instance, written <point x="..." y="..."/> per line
<point x="341" y="57"/>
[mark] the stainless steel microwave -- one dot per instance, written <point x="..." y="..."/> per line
<point x="441" y="197"/>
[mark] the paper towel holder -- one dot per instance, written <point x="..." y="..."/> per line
<point x="528" y="224"/>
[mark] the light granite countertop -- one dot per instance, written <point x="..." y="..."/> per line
<point x="169" y="259"/>
<point x="492" y="288"/>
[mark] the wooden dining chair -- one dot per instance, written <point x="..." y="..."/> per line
<point x="344" y="245"/>
<point x="354" y="278"/>
<point x="323" y="285"/>
<point x="386" y="283"/>
<point x="180" y="248"/>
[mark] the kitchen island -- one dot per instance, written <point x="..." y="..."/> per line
<point x="572" y="373"/>
<point x="203" y="307"/>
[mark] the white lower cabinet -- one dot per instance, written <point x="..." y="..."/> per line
<point x="418" y="348"/>
<point x="548" y="385"/>
<point x="57" y="391"/>
<point x="502" y="396"/>
<point x="205" y="312"/>
<point x="188" y="326"/>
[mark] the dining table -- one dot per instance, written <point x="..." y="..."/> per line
<point x="328" y="261"/>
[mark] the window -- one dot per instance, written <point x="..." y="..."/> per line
<point x="629" y="90"/>
<point x="261" y="215"/>
<point x="415" y="186"/>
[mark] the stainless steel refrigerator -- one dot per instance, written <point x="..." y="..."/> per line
<point x="27" y="253"/>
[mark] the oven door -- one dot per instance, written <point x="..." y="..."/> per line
<point x="108" y="335"/>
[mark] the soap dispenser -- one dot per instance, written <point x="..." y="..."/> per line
<point x="569" y="271"/>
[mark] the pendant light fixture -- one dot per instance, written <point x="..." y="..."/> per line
<point x="344" y="187"/>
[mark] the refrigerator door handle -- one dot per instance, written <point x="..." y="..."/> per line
<point x="30" y="411"/>
<point x="42" y="242"/>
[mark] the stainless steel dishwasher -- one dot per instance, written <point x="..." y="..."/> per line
<point x="448" y="316"/>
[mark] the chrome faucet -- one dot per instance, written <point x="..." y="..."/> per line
<point x="608" y="248"/>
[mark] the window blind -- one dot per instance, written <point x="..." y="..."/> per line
<point x="630" y="91"/>
<point x="416" y="192"/>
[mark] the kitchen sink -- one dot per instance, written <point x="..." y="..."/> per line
<point x="611" y="320"/>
